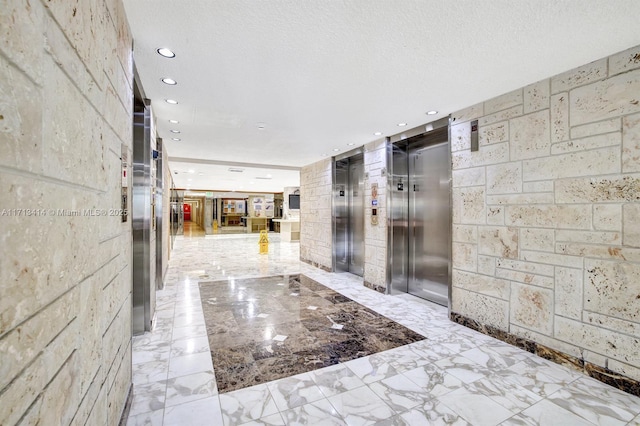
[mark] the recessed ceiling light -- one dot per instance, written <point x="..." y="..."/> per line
<point x="173" y="121"/>
<point x="378" y="133"/>
<point x="169" y="81"/>
<point x="261" y="126"/>
<point x="200" y="174"/>
<point x="191" y="171"/>
<point x="269" y="176"/>
<point x="336" y="149"/>
<point x="176" y="139"/>
<point x="189" y="180"/>
<point x="174" y="131"/>
<point x="167" y="53"/>
<point x="171" y="101"/>
<point x="432" y="112"/>
<point x="402" y="124"/>
<point x="351" y="144"/>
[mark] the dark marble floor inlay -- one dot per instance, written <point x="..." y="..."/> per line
<point x="263" y="329"/>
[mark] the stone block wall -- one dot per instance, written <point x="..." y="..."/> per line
<point x="375" y="236"/>
<point x="65" y="268"/>
<point x="546" y="215"/>
<point x="316" y="229"/>
<point x="316" y="223"/>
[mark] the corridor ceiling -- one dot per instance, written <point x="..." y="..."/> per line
<point x="290" y="82"/>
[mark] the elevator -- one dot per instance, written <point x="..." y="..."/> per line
<point x="420" y="215"/>
<point x="348" y="214"/>
<point x="144" y="265"/>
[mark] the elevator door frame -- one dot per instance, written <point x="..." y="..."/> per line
<point x="344" y="221"/>
<point x="401" y="142"/>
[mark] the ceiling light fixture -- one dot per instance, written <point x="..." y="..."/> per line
<point x="173" y="121"/>
<point x="191" y="171"/>
<point x="171" y="101"/>
<point x="351" y="144"/>
<point x="176" y="139"/>
<point x="269" y="175"/>
<point x="261" y="126"/>
<point x="433" y="112"/>
<point x="169" y="81"/>
<point x="377" y="134"/>
<point x="174" y="131"/>
<point x="167" y="53"/>
<point x="402" y="124"/>
<point x="336" y="149"/>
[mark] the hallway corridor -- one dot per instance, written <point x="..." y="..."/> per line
<point x="454" y="376"/>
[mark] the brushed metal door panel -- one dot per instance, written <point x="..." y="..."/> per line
<point x="356" y="217"/>
<point x="429" y="222"/>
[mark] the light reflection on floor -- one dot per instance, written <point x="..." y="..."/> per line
<point x="455" y="376"/>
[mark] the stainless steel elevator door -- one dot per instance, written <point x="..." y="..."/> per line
<point x="429" y="222"/>
<point x="399" y="220"/>
<point x="356" y="217"/>
<point x="341" y="216"/>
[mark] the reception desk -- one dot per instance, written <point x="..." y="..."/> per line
<point x="256" y="224"/>
<point x="289" y="229"/>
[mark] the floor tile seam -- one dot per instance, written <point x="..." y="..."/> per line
<point x="133" y="363"/>
<point x="463" y="417"/>
<point x="161" y="410"/>
<point x="563" y="387"/>
<point x="560" y="408"/>
<point x="404" y="410"/>
<point x="199" y="398"/>
<point x="166" y="387"/>
<point x="494" y="398"/>
<point x="444" y="372"/>
<point x="368" y="385"/>
<point x="592" y="395"/>
<point x="309" y="403"/>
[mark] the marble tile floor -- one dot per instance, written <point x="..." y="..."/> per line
<point x="263" y="329"/>
<point x="455" y="376"/>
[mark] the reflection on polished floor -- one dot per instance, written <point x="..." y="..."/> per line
<point x="192" y="229"/>
<point x="453" y="376"/>
<point x="263" y="329"/>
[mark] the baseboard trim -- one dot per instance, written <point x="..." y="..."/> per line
<point x="597" y="372"/>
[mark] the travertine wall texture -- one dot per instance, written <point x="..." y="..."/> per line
<point x="65" y="275"/>
<point x="546" y="215"/>
<point x="375" y="236"/>
<point x="316" y="230"/>
<point x="316" y="233"/>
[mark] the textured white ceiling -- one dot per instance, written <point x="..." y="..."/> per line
<point x="322" y="74"/>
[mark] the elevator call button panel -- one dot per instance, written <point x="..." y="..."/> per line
<point x="474" y="136"/>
